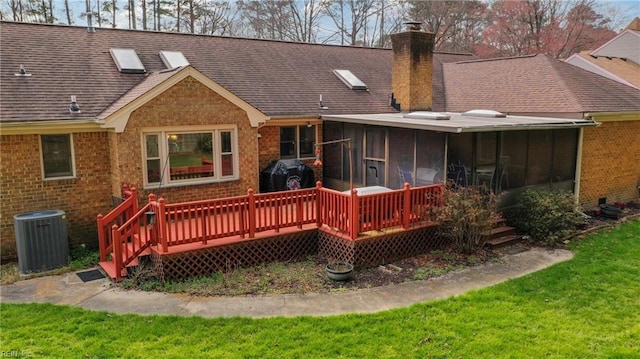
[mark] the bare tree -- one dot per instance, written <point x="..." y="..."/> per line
<point x="305" y="17"/>
<point x="67" y="12"/>
<point x="131" y="14"/>
<point x="458" y="25"/>
<point x="16" y="10"/>
<point x="350" y="17"/>
<point x="553" y="27"/>
<point x="265" y="19"/>
<point x="108" y="13"/>
<point x="216" y="18"/>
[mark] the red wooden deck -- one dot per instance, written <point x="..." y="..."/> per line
<point x="130" y="231"/>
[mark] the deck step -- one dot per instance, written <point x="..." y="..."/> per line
<point x="498" y="232"/>
<point x="110" y="269"/>
<point x="503" y="241"/>
<point x="500" y="222"/>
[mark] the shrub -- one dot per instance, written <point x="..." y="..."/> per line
<point x="467" y="217"/>
<point x="545" y="215"/>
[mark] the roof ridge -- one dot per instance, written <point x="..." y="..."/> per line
<point x="499" y="58"/>
<point x="165" y="33"/>
<point x="562" y="80"/>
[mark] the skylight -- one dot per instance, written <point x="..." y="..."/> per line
<point x="484" y="113"/>
<point x="426" y="115"/>
<point x="127" y="61"/>
<point x="173" y="59"/>
<point x="350" y="79"/>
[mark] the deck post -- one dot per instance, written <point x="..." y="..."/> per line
<point x="354" y="216"/>
<point x="319" y="198"/>
<point x="161" y="221"/>
<point x="406" y="206"/>
<point x="154" y="229"/>
<point x="205" y="217"/>
<point x="117" y="251"/>
<point x="252" y="213"/>
<point x="134" y="202"/>
<point x="101" y="240"/>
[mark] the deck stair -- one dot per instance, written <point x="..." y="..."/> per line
<point x="109" y="266"/>
<point x="502" y="235"/>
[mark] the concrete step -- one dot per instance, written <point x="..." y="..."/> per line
<point x="503" y="241"/>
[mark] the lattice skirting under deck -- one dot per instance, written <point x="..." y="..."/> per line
<point x="379" y="249"/>
<point x="225" y="258"/>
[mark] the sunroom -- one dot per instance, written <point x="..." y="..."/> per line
<point x="484" y="148"/>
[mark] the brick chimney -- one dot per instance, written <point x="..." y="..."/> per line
<point x="412" y="72"/>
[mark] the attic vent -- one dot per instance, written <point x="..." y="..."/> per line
<point x="484" y="113"/>
<point x="127" y="61"/>
<point x="173" y="59"/>
<point x="22" y="72"/>
<point x="426" y="115"/>
<point x="350" y="79"/>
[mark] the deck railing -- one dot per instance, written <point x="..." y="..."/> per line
<point x="353" y="214"/>
<point x="134" y="229"/>
<point x="117" y="216"/>
<point x="244" y="216"/>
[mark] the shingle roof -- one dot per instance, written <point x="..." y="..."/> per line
<point x="615" y="68"/>
<point x="278" y="78"/>
<point x="533" y="84"/>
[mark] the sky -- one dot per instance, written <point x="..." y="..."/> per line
<point x="630" y="8"/>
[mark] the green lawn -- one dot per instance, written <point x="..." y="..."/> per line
<point x="588" y="307"/>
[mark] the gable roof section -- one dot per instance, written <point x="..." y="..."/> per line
<point x="617" y="69"/>
<point x="533" y="84"/>
<point x="117" y="115"/>
<point x="276" y="78"/>
<point x="625" y="45"/>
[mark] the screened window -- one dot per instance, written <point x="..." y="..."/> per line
<point x="297" y="141"/>
<point x="57" y="156"/>
<point x="179" y="157"/>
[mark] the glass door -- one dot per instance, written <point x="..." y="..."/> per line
<point x="375" y="156"/>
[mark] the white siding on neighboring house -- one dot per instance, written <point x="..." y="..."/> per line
<point x="625" y="45"/>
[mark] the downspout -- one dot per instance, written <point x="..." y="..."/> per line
<point x="576" y="188"/>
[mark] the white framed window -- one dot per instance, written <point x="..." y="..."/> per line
<point x="57" y="156"/>
<point x="297" y="141"/>
<point x="174" y="157"/>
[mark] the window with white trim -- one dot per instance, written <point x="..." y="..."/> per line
<point x="297" y="141"/>
<point x="173" y="157"/>
<point x="57" y="156"/>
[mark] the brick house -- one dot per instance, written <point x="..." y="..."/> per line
<point x="190" y="117"/>
<point x="78" y="124"/>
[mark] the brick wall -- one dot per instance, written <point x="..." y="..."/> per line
<point x="269" y="148"/>
<point x="610" y="163"/>
<point x="24" y="190"/>
<point x="188" y="103"/>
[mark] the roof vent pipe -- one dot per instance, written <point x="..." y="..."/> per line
<point x="22" y="72"/>
<point x="90" y="27"/>
<point x="73" y="106"/>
